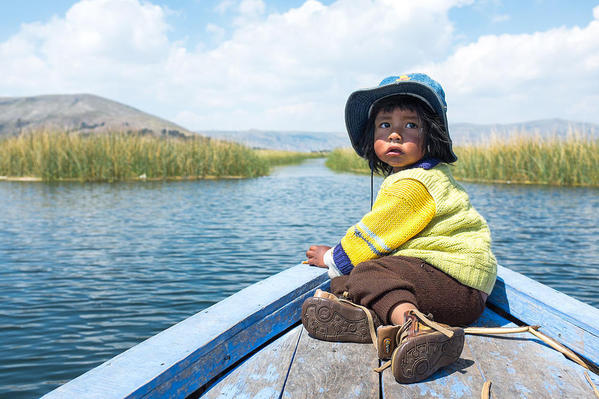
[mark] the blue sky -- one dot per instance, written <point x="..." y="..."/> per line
<point x="190" y="17"/>
<point x="290" y="64"/>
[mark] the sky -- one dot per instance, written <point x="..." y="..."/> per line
<point x="291" y="64"/>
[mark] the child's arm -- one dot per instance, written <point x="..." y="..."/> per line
<point x="400" y="212"/>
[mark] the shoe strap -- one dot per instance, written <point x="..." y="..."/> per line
<point x="435" y="326"/>
<point x="323" y="294"/>
<point x="404" y="331"/>
<point x="383" y="367"/>
<point x="412" y="317"/>
<point x="368" y="317"/>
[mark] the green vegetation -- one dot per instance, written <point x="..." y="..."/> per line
<point x="520" y="158"/>
<point x="110" y="157"/>
<point x="573" y="161"/>
<point x="279" y="157"/>
<point x="346" y="160"/>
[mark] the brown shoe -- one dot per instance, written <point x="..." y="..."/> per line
<point x="423" y="347"/>
<point x="329" y="318"/>
<point x="386" y="341"/>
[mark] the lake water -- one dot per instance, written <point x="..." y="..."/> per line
<point x="89" y="270"/>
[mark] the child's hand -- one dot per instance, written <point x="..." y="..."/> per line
<point x="315" y="255"/>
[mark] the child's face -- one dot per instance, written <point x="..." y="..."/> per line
<point x="397" y="138"/>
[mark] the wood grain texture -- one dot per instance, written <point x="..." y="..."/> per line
<point x="183" y="358"/>
<point x="459" y="380"/>
<point x="563" y="318"/>
<point x="262" y="375"/>
<point x="521" y="366"/>
<point x="332" y="370"/>
<point x="179" y="360"/>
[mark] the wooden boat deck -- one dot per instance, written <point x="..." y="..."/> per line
<point x="299" y="366"/>
<point x="251" y="345"/>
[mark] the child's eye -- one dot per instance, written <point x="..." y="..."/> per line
<point x="411" y="125"/>
<point x="384" y="125"/>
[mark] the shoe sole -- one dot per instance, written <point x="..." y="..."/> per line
<point x="423" y="355"/>
<point x="330" y="320"/>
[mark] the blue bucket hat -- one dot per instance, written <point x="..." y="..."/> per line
<point x="360" y="103"/>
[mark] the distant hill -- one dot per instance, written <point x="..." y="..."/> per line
<point x="461" y="133"/>
<point x="93" y="114"/>
<point x="86" y="113"/>
<point x="283" y="140"/>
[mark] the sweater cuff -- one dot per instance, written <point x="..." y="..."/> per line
<point x="341" y="259"/>
<point x="330" y="262"/>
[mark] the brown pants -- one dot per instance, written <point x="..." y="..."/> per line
<point x="381" y="284"/>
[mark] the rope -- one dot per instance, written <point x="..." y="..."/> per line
<point x="586" y="375"/>
<point x="383" y="367"/>
<point x="486" y="389"/>
<point x="533" y="330"/>
<point x="496" y="330"/>
<point x="485" y="393"/>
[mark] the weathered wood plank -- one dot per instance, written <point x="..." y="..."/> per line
<point x="181" y="359"/>
<point x="460" y="380"/>
<point x="261" y="376"/>
<point x="332" y="370"/>
<point x="184" y="357"/>
<point x="519" y="365"/>
<point x="573" y="323"/>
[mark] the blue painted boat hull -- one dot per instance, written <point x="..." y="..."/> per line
<point x="188" y="357"/>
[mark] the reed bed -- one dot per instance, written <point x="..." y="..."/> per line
<point x="55" y="156"/>
<point x="520" y="158"/>
<point x="279" y="157"/>
<point x="346" y="160"/>
<point x="517" y="158"/>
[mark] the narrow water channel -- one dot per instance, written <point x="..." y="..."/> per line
<point x="89" y="270"/>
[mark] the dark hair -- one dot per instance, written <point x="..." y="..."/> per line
<point x="436" y="142"/>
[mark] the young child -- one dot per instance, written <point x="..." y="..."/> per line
<point x="422" y="249"/>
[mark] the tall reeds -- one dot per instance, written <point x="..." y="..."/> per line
<point x="280" y="157"/>
<point x="521" y="158"/>
<point x="346" y="160"/>
<point x="516" y="158"/>
<point x="119" y="156"/>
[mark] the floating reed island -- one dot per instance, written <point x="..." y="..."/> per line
<point x="56" y="156"/>
<point x="516" y="158"/>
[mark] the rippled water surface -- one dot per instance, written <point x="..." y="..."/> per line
<point x="89" y="270"/>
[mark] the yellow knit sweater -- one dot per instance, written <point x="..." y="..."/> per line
<point x="425" y="214"/>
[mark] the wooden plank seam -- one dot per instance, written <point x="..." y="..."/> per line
<point x="158" y="365"/>
<point x="573" y="323"/>
<point x="202" y="368"/>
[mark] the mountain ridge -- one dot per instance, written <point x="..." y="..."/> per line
<point x="461" y="134"/>
<point x="86" y="113"/>
<point x="89" y="113"/>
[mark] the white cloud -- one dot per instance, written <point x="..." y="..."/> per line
<point x="510" y="78"/>
<point x="216" y="31"/>
<point x="500" y="18"/>
<point x="249" y="11"/>
<point x="223" y="6"/>
<point x="313" y="55"/>
<point x="294" y="70"/>
<point x="251" y="7"/>
<point x="98" y="42"/>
